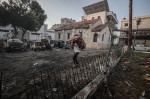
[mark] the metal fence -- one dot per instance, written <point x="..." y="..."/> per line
<point x="61" y="82"/>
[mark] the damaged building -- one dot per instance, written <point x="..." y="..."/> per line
<point x="140" y="31"/>
<point x="96" y="26"/>
<point x="63" y="21"/>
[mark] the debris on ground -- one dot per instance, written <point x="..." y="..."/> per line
<point x="127" y="83"/>
<point x="129" y="79"/>
<point x="147" y="76"/>
<point x="18" y="66"/>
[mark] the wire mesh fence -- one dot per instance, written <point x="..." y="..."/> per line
<point x="59" y="82"/>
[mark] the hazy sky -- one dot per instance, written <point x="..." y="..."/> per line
<point x="57" y="9"/>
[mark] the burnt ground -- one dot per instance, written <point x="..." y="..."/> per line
<point x="17" y="65"/>
<point x="128" y="80"/>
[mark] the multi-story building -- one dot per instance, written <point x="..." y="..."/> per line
<point x="96" y="26"/>
<point x="140" y="31"/>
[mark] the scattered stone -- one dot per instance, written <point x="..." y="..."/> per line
<point x="54" y="89"/>
<point x="35" y="64"/>
<point x="147" y="76"/>
<point x="126" y="82"/>
<point x="143" y="94"/>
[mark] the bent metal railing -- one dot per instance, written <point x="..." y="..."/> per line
<point x="59" y="82"/>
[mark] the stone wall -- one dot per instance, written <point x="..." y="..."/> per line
<point x="88" y="37"/>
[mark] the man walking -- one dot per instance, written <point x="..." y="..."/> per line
<point x="76" y="49"/>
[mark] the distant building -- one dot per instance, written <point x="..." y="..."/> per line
<point x="63" y="21"/>
<point x="140" y="28"/>
<point x="67" y="20"/>
<point x="55" y="26"/>
<point x="96" y="26"/>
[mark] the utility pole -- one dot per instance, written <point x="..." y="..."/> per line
<point x="130" y="28"/>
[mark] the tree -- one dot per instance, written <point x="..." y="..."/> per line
<point x="12" y="15"/>
<point x="22" y="14"/>
<point x="34" y="19"/>
<point x="4" y="15"/>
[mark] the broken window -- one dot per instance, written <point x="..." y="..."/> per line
<point x="95" y="37"/>
<point x="59" y="36"/>
<point x="126" y="24"/>
<point x="68" y="36"/>
<point x="109" y="39"/>
<point x="103" y="37"/>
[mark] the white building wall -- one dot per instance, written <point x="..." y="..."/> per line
<point x="88" y="38"/>
<point x="43" y="29"/>
<point x="6" y="32"/>
<point x="41" y="34"/>
<point x="51" y="33"/>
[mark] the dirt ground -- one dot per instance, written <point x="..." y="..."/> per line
<point x="129" y="80"/>
<point x="16" y="65"/>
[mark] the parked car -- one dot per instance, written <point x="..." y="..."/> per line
<point x="15" y="45"/>
<point x="63" y="44"/>
<point x="68" y="45"/>
<point x="59" y="44"/>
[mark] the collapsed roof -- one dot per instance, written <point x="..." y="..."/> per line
<point x="96" y="7"/>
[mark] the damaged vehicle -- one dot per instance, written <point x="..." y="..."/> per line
<point x="37" y="46"/>
<point x="15" y="45"/>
